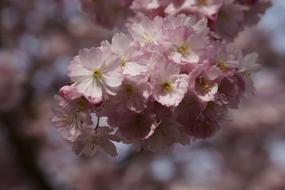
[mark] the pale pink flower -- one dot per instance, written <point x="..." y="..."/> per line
<point x="248" y="65"/>
<point x="130" y="57"/>
<point x="93" y="140"/>
<point x="150" y="8"/>
<point x="169" y="87"/>
<point x="205" y="81"/>
<point x="133" y="94"/>
<point x="70" y="116"/>
<point x="185" y="45"/>
<point x="165" y="136"/>
<point x="134" y="126"/>
<point x="224" y="57"/>
<point x="231" y="89"/>
<point x="208" y="7"/>
<point x="147" y="31"/>
<point x="189" y="109"/>
<point x="197" y="118"/>
<point x="96" y="73"/>
<point x="182" y="20"/>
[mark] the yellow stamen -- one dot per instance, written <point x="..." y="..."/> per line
<point x="221" y="65"/>
<point x="182" y="49"/>
<point x="97" y="74"/>
<point x="128" y="89"/>
<point x="123" y="61"/>
<point x="204" y="84"/>
<point x="147" y="38"/>
<point x="166" y="86"/>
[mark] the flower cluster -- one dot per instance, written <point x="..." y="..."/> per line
<point x="225" y="17"/>
<point x="166" y="81"/>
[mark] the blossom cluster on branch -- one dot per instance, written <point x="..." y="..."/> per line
<point x="170" y="79"/>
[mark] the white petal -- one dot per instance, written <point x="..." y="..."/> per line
<point x="133" y="68"/>
<point x="120" y="43"/>
<point x="192" y="57"/>
<point x="90" y="88"/>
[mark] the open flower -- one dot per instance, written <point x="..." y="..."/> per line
<point x="147" y="31"/>
<point x="133" y="94"/>
<point x="198" y="119"/>
<point x="130" y="57"/>
<point x="91" y="141"/>
<point x="168" y="80"/>
<point x="135" y="126"/>
<point x="96" y="73"/>
<point x="205" y="81"/>
<point x="169" y="87"/>
<point x="185" y="45"/>
<point x="70" y="116"/>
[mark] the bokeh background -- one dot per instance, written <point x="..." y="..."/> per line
<point x="39" y="38"/>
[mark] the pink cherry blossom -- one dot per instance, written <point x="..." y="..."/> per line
<point x="91" y="141"/>
<point x="147" y="31"/>
<point x="129" y="56"/>
<point x="136" y="126"/>
<point x="205" y="81"/>
<point x="169" y="87"/>
<point x="185" y="45"/>
<point x="70" y="117"/>
<point x="133" y="94"/>
<point x="166" y="80"/>
<point x="96" y="73"/>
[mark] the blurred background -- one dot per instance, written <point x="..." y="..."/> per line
<point x="38" y="38"/>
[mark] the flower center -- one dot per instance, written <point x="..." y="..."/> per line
<point x="221" y="65"/>
<point x="123" y="61"/>
<point x="146" y="37"/>
<point x="97" y="74"/>
<point x="182" y="49"/>
<point x="128" y="89"/>
<point x="204" y="84"/>
<point x="166" y="86"/>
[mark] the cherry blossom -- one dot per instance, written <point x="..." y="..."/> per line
<point x="169" y="86"/>
<point x="96" y="73"/>
<point x="91" y="141"/>
<point x="167" y="80"/>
